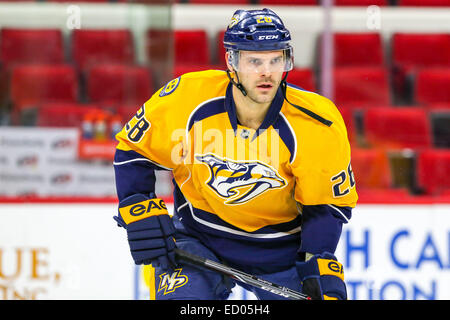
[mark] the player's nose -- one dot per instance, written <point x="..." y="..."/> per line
<point x="265" y="70"/>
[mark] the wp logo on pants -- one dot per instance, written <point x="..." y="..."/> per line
<point x="170" y="282"/>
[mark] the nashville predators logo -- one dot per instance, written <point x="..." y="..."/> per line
<point x="170" y="87"/>
<point x="234" y="21"/>
<point x="240" y="182"/>
<point x="169" y="282"/>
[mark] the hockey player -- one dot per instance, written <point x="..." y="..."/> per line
<point x="261" y="168"/>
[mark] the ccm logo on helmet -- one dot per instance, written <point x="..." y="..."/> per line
<point x="336" y="267"/>
<point x="140" y="208"/>
<point x="269" y="37"/>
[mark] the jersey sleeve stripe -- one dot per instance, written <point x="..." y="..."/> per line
<point x="122" y="157"/>
<point x="339" y="210"/>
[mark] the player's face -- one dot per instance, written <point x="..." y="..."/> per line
<point x="260" y="72"/>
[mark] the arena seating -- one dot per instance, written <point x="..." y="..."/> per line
<point x="348" y="115"/>
<point x="89" y="47"/>
<point x="219" y="1"/>
<point x="432" y="86"/>
<point x="433" y="170"/>
<point x="20" y="45"/>
<point x="361" y="86"/>
<point x="361" y="2"/>
<point x="64" y="114"/>
<point x="358" y="49"/>
<point x="33" y="85"/>
<point x="303" y="77"/>
<point x="412" y="52"/>
<point x="119" y="84"/>
<point x="393" y="93"/>
<point x="423" y="3"/>
<point x="397" y="128"/>
<point x="220" y="50"/>
<point x="371" y="168"/>
<point x="191" y="47"/>
<point x="288" y="2"/>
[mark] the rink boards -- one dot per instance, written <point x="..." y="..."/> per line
<point x="76" y="251"/>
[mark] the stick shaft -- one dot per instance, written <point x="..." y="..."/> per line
<point x="241" y="276"/>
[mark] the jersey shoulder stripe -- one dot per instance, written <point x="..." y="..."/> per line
<point x="205" y="110"/>
<point x="287" y="135"/>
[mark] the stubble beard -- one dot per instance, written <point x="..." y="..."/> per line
<point x="261" y="98"/>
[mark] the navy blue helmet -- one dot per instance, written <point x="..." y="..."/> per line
<point x="257" y="30"/>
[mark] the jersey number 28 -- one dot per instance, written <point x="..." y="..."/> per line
<point x="340" y="179"/>
<point x="137" y="126"/>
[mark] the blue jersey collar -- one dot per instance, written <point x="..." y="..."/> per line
<point x="271" y="116"/>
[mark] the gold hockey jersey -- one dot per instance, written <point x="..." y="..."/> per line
<point x="236" y="180"/>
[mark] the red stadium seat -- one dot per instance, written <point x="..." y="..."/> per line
<point x="358" y="49"/>
<point x="361" y="86"/>
<point x="302" y="77"/>
<point x="32" y="85"/>
<point x="63" y="114"/>
<point x="219" y="1"/>
<point x="413" y="51"/>
<point x="433" y="170"/>
<point x="91" y="47"/>
<point x="159" y="54"/>
<point x="220" y="49"/>
<point x="119" y="84"/>
<point x="438" y="106"/>
<point x="127" y="111"/>
<point x="349" y="120"/>
<point x="93" y="1"/>
<point x="289" y="2"/>
<point x="423" y="3"/>
<point x="361" y="2"/>
<point x="371" y="168"/>
<point x="421" y="50"/>
<point x="191" y="47"/>
<point x="433" y="86"/>
<point x="397" y="128"/>
<point x="179" y="70"/>
<point x="31" y="46"/>
<point x="158" y="45"/>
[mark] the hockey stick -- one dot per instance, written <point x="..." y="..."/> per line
<point x="241" y="276"/>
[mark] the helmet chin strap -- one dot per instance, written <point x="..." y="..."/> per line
<point x="237" y="84"/>
<point x="283" y="86"/>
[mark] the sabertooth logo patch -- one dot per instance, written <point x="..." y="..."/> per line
<point x="240" y="182"/>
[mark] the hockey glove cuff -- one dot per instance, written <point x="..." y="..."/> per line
<point x="150" y="230"/>
<point x="322" y="277"/>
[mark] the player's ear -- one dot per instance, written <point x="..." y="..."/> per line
<point x="227" y="60"/>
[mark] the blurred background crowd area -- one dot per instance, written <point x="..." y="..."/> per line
<point x="90" y="65"/>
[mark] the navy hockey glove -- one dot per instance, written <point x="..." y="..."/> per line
<point x="150" y="230"/>
<point x="322" y="277"/>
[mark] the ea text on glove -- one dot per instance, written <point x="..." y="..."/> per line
<point x="144" y="209"/>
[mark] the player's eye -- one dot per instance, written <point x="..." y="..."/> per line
<point x="276" y="60"/>
<point x="255" y="62"/>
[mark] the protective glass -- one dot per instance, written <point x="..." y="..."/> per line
<point x="261" y="62"/>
